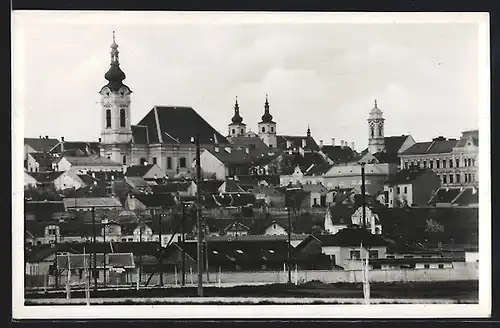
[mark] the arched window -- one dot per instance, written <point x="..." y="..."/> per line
<point x="108" y="118"/>
<point x="380" y="131"/>
<point x="263" y="129"/>
<point x="234" y="131"/>
<point x="122" y="118"/>
<point x="241" y="131"/>
<point x="124" y="160"/>
<point x="372" y="132"/>
<point x="272" y="129"/>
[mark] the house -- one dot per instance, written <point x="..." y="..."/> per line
<point x="231" y="186"/>
<point x="61" y="180"/>
<point x="454" y="161"/>
<point x="143" y="202"/>
<point x="297" y="167"/>
<point x="138" y="184"/>
<point x="336" y="220"/>
<point x="90" y="203"/>
<point x="38" y="145"/>
<point x="39" y="162"/>
<point x="228" y="161"/>
<point x="336" y="154"/>
<point x="177" y="188"/>
<point x="236" y="229"/>
<point x="29" y="180"/>
<point x="275" y="229"/>
<point x="43" y="210"/>
<point x="76" y="148"/>
<point x="83" y="164"/>
<point x="147" y="172"/>
<point x="411" y="187"/>
<point x="318" y="194"/>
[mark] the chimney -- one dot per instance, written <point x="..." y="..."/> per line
<point x="215" y="139"/>
<point x="99" y="140"/>
<point x="40" y="137"/>
<point x="321" y="143"/>
<point x="145" y="163"/>
<point x="342" y="143"/>
<point x="46" y="137"/>
<point x="352" y="145"/>
<point x="247" y="150"/>
<point x="216" y="149"/>
<point x="304" y="143"/>
<point x="288" y="144"/>
<point x="62" y="145"/>
<point x="333" y="141"/>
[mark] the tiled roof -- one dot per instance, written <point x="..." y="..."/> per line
<point x="172" y="187"/>
<point x="138" y="170"/>
<point x="470" y="196"/>
<point x="253" y="143"/>
<point x="44" y="159"/>
<point x="140" y="134"/>
<point x="472" y="135"/>
<point x="406" y="176"/>
<point x="108" y="176"/>
<point x="78" y="148"/>
<point x="351" y="236"/>
<point x="437" y="146"/>
<point x="233" y="157"/>
<point x="314" y="188"/>
<point x="445" y="195"/>
<point x="92" y="202"/>
<point x="318" y="169"/>
<point x="44" y="206"/>
<point x="41" y="144"/>
<point x="253" y="238"/>
<point x="339" y="154"/>
<point x="210" y="186"/>
<point x="232" y="186"/>
<point x="297" y="142"/>
<point x="305" y="161"/>
<point x="87" y="179"/>
<point x="90" y="161"/>
<point x="394" y="143"/>
<point x="156" y="200"/>
<point x="44" y="177"/>
<point x="178" y="124"/>
<point x="138" y="183"/>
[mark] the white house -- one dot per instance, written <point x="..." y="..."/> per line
<point x="148" y="171"/>
<point x="86" y="163"/>
<point x="372" y="221"/>
<point x="39" y="162"/>
<point x="60" y="180"/>
<point x="210" y="164"/>
<point x="275" y="229"/>
<point x="29" y="180"/>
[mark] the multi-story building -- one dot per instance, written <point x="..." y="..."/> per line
<point x="454" y="161"/>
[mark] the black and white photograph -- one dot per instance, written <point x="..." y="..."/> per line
<point x="250" y="165"/>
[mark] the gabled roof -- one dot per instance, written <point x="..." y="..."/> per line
<point x="41" y="144"/>
<point x="291" y="161"/>
<point x="318" y="169"/>
<point x="78" y="148"/>
<point x="177" y="124"/>
<point x="43" y="159"/>
<point x="108" y="176"/>
<point x="456" y="196"/>
<point x="44" y="206"/>
<point x="162" y="200"/>
<point x="394" y="143"/>
<point x="472" y="135"/>
<point x="232" y="186"/>
<point x="234" y="156"/>
<point x="91" y="202"/>
<point x="470" y="196"/>
<point x="90" y="161"/>
<point x="210" y="186"/>
<point x="140" y="134"/>
<point x="339" y="154"/>
<point x="236" y="226"/>
<point x="253" y="143"/>
<point x="407" y="175"/>
<point x="445" y="195"/>
<point x="172" y="187"/>
<point x="44" y="177"/>
<point x="352" y="236"/>
<point x="437" y="146"/>
<point x="296" y="142"/>
<point x="138" y="170"/>
<point x="314" y="188"/>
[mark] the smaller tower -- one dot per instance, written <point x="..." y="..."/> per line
<point x="267" y="127"/>
<point x="376" y="141"/>
<point x="236" y="127"/>
<point x="308" y="131"/>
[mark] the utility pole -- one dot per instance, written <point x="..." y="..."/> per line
<point x="198" y="218"/>
<point x="95" y="250"/>
<point x="56" y="271"/>
<point x="363" y="193"/>
<point x="161" y="249"/>
<point x="104" y="251"/>
<point x="183" y="239"/>
<point x="289" y="242"/>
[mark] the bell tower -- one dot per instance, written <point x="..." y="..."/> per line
<point x="116" y="132"/>
<point x="376" y="141"/>
<point x="236" y="127"/>
<point x="267" y="127"/>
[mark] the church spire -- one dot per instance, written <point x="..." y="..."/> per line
<point x="237" y="118"/>
<point x="115" y="75"/>
<point x="308" y="130"/>
<point x="267" y="117"/>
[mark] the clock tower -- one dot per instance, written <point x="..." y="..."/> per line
<point x="376" y="141"/>
<point x="116" y="132"/>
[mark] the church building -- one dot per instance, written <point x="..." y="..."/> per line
<point x="162" y="137"/>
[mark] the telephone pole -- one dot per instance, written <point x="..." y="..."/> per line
<point x="95" y="250"/>
<point x="198" y="218"/>
<point x="363" y="201"/>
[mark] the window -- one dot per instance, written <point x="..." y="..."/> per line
<point x="376" y="267"/>
<point x="263" y="129"/>
<point x="426" y="266"/>
<point x="272" y="129"/>
<point x="169" y="163"/>
<point x="473" y="162"/>
<point x="124" y="160"/>
<point x="122" y="118"/>
<point x="355" y="255"/>
<point x="469" y="161"/>
<point x="108" y="118"/>
<point x="425" y="164"/>
<point x="390" y="190"/>
<point x="451" y="163"/>
<point x="95" y="274"/>
<point x="444" y="163"/>
<point x="458" y="178"/>
<point x="241" y="131"/>
<point x="182" y="162"/>
<point x="406" y="190"/>
<point x="399" y="190"/>
<point x="315" y="201"/>
<point x="431" y="164"/>
<point x="406" y="165"/>
<point x="380" y="131"/>
<point x="437" y="164"/>
<point x="441" y="266"/>
<point x="457" y="162"/>
<point x="451" y="178"/>
<point x="234" y="131"/>
<point x="466" y="178"/>
<point x="373" y="254"/>
<point x="372" y="133"/>
<point x="444" y="179"/>
<point x="154" y="160"/>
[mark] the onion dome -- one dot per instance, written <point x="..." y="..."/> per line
<point x="115" y="75"/>
<point x="237" y="119"/>
<point x="376" y="112"/>
<point x="267" y="118"/>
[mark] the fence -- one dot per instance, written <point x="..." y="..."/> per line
<point x="460" y="271"/>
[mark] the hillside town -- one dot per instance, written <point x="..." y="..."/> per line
<point x="124" y="206"/>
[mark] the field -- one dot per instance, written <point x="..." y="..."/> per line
<point x="450" y="291"/>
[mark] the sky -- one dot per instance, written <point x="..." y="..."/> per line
<point x="320" y="73"/>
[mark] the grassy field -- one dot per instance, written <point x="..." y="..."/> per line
<point x="466" y="291"/>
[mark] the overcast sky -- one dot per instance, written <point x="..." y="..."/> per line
<point x="424" y="76"/>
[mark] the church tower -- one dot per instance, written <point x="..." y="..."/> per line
<point x="237" y="127"/>
<point x="267" y="128"/>
<point x="116" y="133"/>
<point x="376" y="142"/>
